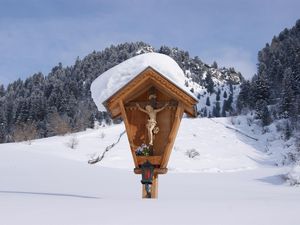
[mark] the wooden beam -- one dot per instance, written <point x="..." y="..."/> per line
<point x="156" y="170"/>
<point x="154" y="160"/>
<point x="124" y="116"/>
<point x="172" y="135"/>
<point x="190" y="110"/>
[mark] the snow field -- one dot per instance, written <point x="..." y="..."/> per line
<point x="232" y="180"/>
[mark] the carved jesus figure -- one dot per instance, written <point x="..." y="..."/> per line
<point x="151" y="125"/>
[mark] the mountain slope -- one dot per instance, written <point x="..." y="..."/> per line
<point x="273" y="95"/>
<point x="61" y="102"/>
<point x="277" y="83"/>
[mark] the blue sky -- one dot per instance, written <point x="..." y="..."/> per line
<point x="37" y="34"/>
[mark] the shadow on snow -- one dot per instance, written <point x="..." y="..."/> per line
<point x="48" y="194"/>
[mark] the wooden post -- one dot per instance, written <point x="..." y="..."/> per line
<point x="144" y="193"/>
<point x="154" y="188"/>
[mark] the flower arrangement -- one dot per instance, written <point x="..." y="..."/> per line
<point x="143" y="150"/>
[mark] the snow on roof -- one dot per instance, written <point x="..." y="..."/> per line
<point x="112" y="80"/>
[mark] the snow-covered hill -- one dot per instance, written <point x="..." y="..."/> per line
<point x="34" y="106"/>
<point x="216" y="88"/>
<point x="219" y="174"/>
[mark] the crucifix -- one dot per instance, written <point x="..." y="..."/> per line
<point x="152" y="107"/>
<point x="151" y="125"/>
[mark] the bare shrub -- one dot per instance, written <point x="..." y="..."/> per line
<point x="192" y="153"/>
<point x="102" y="135"/>
<point x="25" y="132"/>
<point x="233" y="120"/>
<point x="73" y="142"/>
<point x="82" y="119"/>
<point x="293" y="177"/>
<point x="58" y="125"/>
<point x="249" y="121"/>
<point x="265" y="130"/>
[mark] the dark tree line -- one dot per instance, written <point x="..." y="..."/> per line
<point x="42" y="106"/>
<point x="277" y="82"/>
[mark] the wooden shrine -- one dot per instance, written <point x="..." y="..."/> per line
<point x="152" y="107"/>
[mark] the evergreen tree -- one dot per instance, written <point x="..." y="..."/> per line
<point x="209" y="84"/>
<point x="287" y="131"/>
<point x="205" y="112"/>
<point x="218" y="95"/>
<point x="209" y="114"/>
<point x="229" y="103"/>
<point x="207" y="101"/>
<point x="2" y="90"/>
<point x="215" y="65"/>
<point x="216" y="110"/>
<point x="266" y="116"/>
<point x="244" y="98"/>
<point x="287" y="100"/>
<point x="262" y="89"/>
<point x="223" y="109"/>
<point x="262" y="112"/>
<point x="3" y="124"/>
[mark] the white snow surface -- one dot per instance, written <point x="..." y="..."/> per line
<point x="117" y="77"/>
<point x="233" y="180"/>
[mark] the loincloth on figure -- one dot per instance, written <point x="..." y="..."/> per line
<point x="152" y="125"/>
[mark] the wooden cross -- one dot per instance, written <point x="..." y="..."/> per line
<point x="172" y="104"/>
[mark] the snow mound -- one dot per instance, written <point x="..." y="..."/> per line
<point x="117" y="77"/>
<point x="293" y="177"/>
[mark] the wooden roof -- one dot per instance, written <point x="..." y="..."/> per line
<point x="147" y="78"/>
